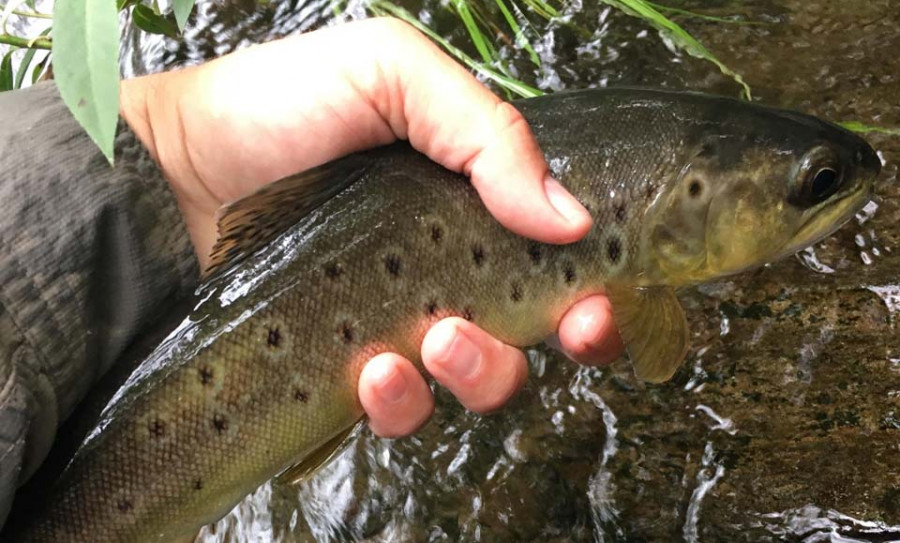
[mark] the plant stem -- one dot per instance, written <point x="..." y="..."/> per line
<point x="32" y="14"/>
<point x="711" y="18"/>
<point x="17" y="41"/>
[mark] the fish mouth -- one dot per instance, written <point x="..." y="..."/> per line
<point x="828" y="219"/>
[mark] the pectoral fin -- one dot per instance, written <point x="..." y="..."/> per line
<point x="319" y="457"/>
<point x="653" y="328"/>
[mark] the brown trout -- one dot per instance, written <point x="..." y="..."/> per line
<point x="321" y="271"/>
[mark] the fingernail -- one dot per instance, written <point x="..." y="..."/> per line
<point x="589" y="329"/>
<point x="462" y="358"/>
<point x="563" y="201"/>
<point x="598" y="344"/>
<point x="390" y="384"/>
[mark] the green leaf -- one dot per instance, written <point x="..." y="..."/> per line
<point x="701" y="16"/>
<point x="542" y="8"/>
<point x="149" y="21"/>
<point x="679" y="36"/>
<point x="862" y="128"/>
<point x="6" y="72"/>
<point x="23" y="68"/>
<point x="26" y="62"/>
<point x="521" y="40"/>
<point x="385" y="7"/>
<point x="86" y="65"/>
<point x="123" y="4"/>
<point x="39" y="69"/>
<point x="481" y="43"/>
<point x="182" y="9"/>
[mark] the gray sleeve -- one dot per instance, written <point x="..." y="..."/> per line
<point x="88" y="256"/>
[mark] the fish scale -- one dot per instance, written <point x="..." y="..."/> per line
<point x="263" y="373"/>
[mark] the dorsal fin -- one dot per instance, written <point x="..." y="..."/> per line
<point x="251" y="222"/>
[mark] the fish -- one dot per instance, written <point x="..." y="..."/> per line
<point x="317" y="273"/>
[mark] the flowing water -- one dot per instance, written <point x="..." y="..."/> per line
<point x="783" y="425"/>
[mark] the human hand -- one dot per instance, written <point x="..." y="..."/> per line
<point x="221" y="130"/>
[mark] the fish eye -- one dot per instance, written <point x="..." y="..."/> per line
<point x="823" y="184"/>
<point x="818" y="178"/>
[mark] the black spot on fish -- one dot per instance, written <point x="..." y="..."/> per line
<point x="220" y="423"/>
<point x="157" y="427"/>
<point x="125" y="505"/>
<point x="437" y="233"/>
<point x="206" y="375"/>
<point x="478" y="255"/>
<point x="515" y="293"/>
<point x="301" y="395"/>
<point x="198" y="484"/>
<point x="333" y="270"/>
<point x="274" y="338"/>
<point x="392" y="264"/>
<point x="614" y="249"/>
<point x="621" y="212"/>
<point x="534" y="253"/>
<point x="468" y="313"/>
<point x="431" y="308"/>
<point x="346" y="332"/>
<point x="695" y="189"/>
<point x="569" y="273"/>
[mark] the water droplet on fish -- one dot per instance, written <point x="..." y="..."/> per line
<point x="866" y="259"/>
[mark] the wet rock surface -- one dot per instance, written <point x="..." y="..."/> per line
<point x="784" y="423"/>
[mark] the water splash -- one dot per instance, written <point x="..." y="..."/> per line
<point x="249" y="522"/>
<point x="707" y="477"/>
<point x="698" y="374"/>
<point x="326" y="499"/>
<point x="721" y="423"/>
<point x="812" y="524"/>
<point x="890" y="294"/>
<point x="809" y="259"/>
<point x="601" y="488"/>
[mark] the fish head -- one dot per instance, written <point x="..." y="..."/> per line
<point x="755" y="184"/>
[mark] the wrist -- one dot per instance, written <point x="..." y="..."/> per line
<point x="149" y="105"/>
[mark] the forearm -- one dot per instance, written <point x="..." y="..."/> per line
<point x="88" y="256"/>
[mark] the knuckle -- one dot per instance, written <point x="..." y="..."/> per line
<point x="509" y="119"/>
<point x="393" y="28"/>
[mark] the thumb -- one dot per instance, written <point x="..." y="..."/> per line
<point x="450" y="116"/>
<point x="513" y="180"/>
